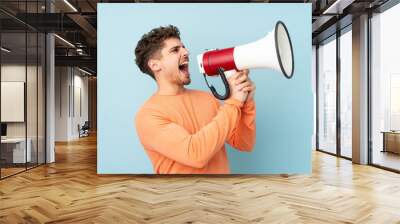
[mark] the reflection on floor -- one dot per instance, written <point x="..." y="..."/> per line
<point x="386" y="159"/>
<point x="10" y="169"/>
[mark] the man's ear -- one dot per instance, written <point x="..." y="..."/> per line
<point x="154" y="65"/>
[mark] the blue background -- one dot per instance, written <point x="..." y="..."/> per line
<point x="284" y="107"/>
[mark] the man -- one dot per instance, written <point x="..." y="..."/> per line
<point x="184" y="131"/>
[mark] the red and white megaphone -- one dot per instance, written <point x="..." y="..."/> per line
<point x="273" y="51"/>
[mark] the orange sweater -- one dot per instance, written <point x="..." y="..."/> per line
<point x="185" y="133"/>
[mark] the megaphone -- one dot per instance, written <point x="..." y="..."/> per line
<point x="273" y="51"/>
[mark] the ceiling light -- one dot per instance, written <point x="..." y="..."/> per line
<point x="70" y="5"/>
<point x="79" y="51"/>
<point x="5" y="50"/>
<point x="65" y="41"/>
<point x="84" y="71"/>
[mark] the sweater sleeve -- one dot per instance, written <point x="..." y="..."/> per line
<point x="244" y="136"/>
<point x="157" y="132"/>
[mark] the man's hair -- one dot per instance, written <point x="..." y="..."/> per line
<point x="151" y="44"/>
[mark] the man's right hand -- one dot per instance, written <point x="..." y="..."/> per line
<point x="236" y="88"/>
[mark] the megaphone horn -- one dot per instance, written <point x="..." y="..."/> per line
<point x="273" y="51"/>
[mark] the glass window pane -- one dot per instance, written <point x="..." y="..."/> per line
<point x="13" y="86"/>
<point x="22" y="88"/>
<point x="327" y="96"/>
<point x="346" y="94"/>
<point x="31" y="101"/>
<point x="385" y="89"/>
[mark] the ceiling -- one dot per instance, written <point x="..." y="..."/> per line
<point x="76" y="21"/>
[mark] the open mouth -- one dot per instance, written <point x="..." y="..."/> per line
<point x="184" y="67"/>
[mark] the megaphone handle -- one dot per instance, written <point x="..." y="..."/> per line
<point x="226" y="84"/>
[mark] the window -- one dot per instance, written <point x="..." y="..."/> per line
<point x="327" y="96"/>
<point x="346" y="93"/>
<point x="22" y="66"/>
<point x="385" y="89"/>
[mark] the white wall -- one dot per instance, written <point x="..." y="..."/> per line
<point x="10" y="73"/>
<point x="71" y="94"/>
<point x="62" y="81"/>
<point x="15" y="72"/>
<point x="81" y="103"/>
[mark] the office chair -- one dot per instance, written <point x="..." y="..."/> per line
<point x="84" y="130"/>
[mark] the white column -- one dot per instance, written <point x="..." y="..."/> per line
<point x="50" y="91"/>
<point x="50" y="110"/>
<point x="360" y="90"/>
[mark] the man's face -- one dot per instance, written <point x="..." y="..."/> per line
<point x="174" y="62"/>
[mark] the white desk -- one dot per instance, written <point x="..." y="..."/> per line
<point x="18" y="150"/>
